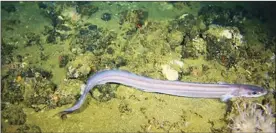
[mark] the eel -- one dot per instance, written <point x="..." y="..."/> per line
<point x="223" y="91"/>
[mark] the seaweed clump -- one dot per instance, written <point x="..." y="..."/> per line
<point x="253" y="117"/>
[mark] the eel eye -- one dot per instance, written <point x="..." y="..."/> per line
<point x="252" y="93"/>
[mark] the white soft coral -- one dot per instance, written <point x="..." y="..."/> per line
<point x="252" y="119"/>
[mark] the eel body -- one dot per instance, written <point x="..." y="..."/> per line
<point x="187" y="89"/>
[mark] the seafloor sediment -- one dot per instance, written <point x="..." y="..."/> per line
<point x="49" y="49"/>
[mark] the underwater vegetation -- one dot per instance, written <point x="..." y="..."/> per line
<point x="50" y="49"/>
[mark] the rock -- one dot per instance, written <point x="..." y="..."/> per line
<point x="227" y="34"/>
<point x="68" y="91"/>
<point x="38" y="92"/>
<point x="223" y="44"/>
<point x="81" y="66"/>
<point x="92" y="39"/>
<point x="76" y="72"/>
<point x="169" y="72"/>
<point x="12" y="92"/>
<point x="195" y="48"/>
<point x="92" y="27"/>
<point x="175" y="38"/>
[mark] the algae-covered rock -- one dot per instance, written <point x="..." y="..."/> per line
<point x="81" y="66"/>
<point x="32" y="39"/>
<point x="136" y="17"/>
<point x="106" y="17"/>
<point x="11" y="91"/>
<point x="94" y="40"/>
<point x="64" y="19"/>
<point x="191" y="29"/>
<point x="223" y="16"/>
<point x="14" y="114"/>
<point x="52" y="10"/>
<point x="224" y="34"/>
<point x="86" y="8"/>
<point x="63" y="60"/>
<point x="27" y="128"/>
<point x="195" y="48"/>
<point x="36" y="73"/>
<point x="70" y="14"/>
<point x="68" y="92"/>
<point x="37" y="93"/>
<point x="129" y="30"/>
<point x="6" y="51"/>
<point x="189" y="25"/>
<point x="223" y="44"/>
<point x="104" y="93"/>
<point x="175" y="38"/>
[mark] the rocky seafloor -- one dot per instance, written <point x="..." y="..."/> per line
<point x="49" y="49"/>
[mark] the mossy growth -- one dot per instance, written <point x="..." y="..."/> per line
<point x="68" y="92"/>
<point x="6" y="51"/>
<point x="223" y="44"/>
<point x="124" y="108"/>
<point x="81" y="66"/>
<point x="136" y="17"/>
<point x="27" y="128"/>
<point x="104" y="93"/>
<point x="14" y="114"/>
<point x="38" y="93"/>
<point x="32" y="39"/>
<point x="195" y="48"/>
<point x="86" y="8"/>
<point x="12" y="92"/>
<point x="190" y="25"/>
<point x="95" y="41"/>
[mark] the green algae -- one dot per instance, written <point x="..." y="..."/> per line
<point x="180" y="114"/>
<point x="143" y="52"/>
